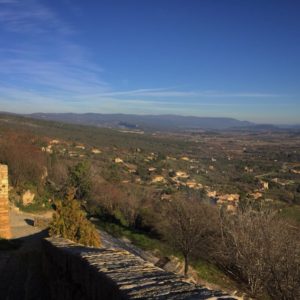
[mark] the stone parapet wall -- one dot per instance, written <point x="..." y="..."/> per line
<point x="77" y="272"/>
<point x="5" y="231"/>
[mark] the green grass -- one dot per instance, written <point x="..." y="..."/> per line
<point x="35" y="207"/>
<point x="211" y="274"/>
<point x="205" y="270"/>
<point x="292" y="213"/>
<point x="139" y="239"/>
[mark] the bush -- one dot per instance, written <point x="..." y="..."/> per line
<point x="69" y="221"/>
<point x="262" y="251"/>
<point x="27" y="163"/>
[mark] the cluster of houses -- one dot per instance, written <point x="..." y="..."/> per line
<point x="175" y="178"/>
<point x="181" y="178"/>
<point x="73" y="151"/>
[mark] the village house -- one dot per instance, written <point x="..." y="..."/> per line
<point x="295" y="171"/>
<point x="73" y="154"/>
<point x="28" y="197"/>
<point x="131" y="168"/>
<point x="54" y="142"/>
<point x="182" y="174"/>
<point x="185" y="158"/>
<point x="192" y="184"/>
<point x="264" y="185"/>
<point x="211" y="194"/>
<point x="118" y="160"/>
<point x="81" y="147"/>
<point x="171" y="158"/>
<point x="229" y="201"/>
<point x="95" y="151"/>
<point x="228" y="198"/>
<point x="47" y="149"/>
<point x="158" y="178"/>
<point x="256" y="195"/>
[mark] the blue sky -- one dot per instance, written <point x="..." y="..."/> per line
<point x="229" y="58"/>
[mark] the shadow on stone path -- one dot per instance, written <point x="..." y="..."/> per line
<point x="21" y="275"/>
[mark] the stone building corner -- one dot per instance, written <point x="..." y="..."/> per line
<point x="5" y="231"/>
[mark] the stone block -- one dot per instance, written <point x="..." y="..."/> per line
<point x="5" y="231"/>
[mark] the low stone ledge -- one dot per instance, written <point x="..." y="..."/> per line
<point x="77" y="272"/>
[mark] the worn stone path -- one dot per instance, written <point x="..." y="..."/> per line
<point x="20" y="270"/>
<point x="22" y="223"/>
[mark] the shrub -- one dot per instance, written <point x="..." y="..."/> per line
<point x="262" y="251"/>
<point x="69" y="221"/>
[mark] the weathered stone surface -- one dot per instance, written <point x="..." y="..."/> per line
<point x="77" y="272"/>
<point x="28" y="198"/>
<point x="5" y="231"/>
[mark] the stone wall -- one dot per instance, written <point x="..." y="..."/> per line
<point x="77" y="272"/>
<point x="5" y="231"/>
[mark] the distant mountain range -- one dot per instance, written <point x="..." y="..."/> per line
<point x="145" y="122"/>
<point x="158" y="122"/>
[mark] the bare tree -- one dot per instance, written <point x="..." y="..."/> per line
<point x="282" y="260"/>
<point x="262" y="251"/>
<point x="186" y="226"/>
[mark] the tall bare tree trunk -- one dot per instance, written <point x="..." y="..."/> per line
<point x="186" y="265"/>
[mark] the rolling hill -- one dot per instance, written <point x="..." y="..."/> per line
<point x="145" y="122"/>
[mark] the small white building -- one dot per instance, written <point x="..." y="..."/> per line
<point x="118" y="160"/>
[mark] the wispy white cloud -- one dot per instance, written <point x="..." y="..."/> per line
<point x="30" y="16"/>
<point x="161" y="93"/>
<point x="52" y="73"/>
<point x="50" y="63"/>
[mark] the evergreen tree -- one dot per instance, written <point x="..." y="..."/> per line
<point x="79" y="177"/>
<point x="69" y="221"/>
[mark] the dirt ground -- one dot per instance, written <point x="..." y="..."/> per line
<point x="21" y="275"/>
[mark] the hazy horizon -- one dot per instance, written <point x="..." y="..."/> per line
<point x="149" y="114"/>
<point x="200" y="58"/>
